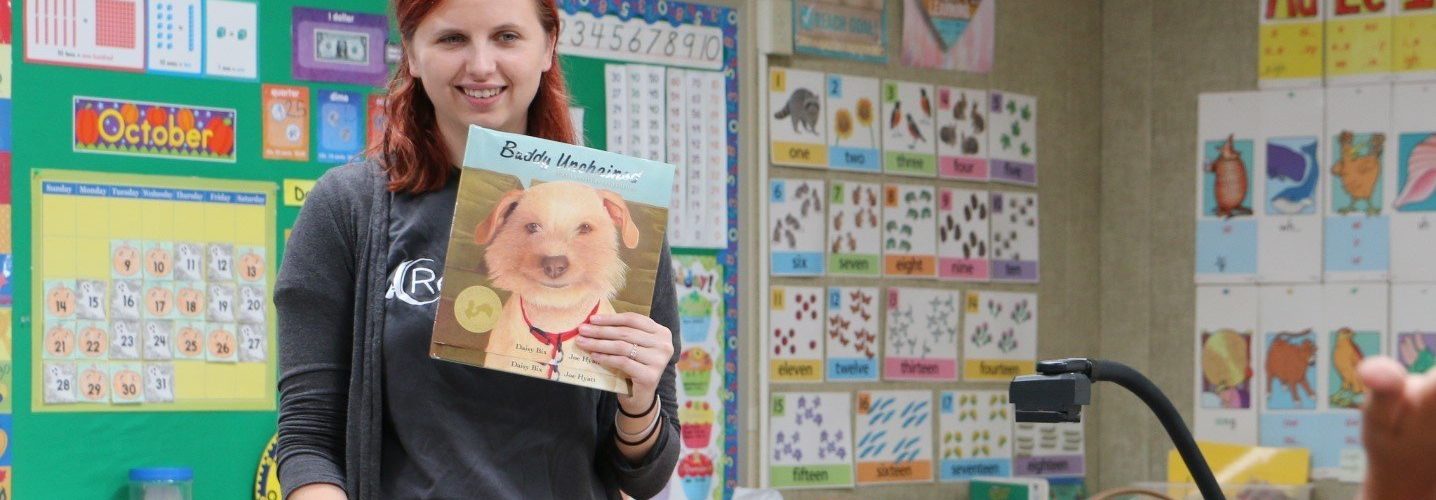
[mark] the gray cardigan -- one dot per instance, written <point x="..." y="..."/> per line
<point x="329" y="297"/>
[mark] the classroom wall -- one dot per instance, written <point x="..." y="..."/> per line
<point x="1051" y="50"/>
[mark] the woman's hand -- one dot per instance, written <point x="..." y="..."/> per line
<point x="1395" y="425"/>
<point x="318" y="491"/>
<point x="634" y="345"/>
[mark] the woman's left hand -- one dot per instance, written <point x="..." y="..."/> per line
<point x="634" y="345"/>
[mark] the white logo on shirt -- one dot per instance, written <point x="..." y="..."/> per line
<point x="415" y="283"/>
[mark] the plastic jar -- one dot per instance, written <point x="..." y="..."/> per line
<point x="162" y="483"/>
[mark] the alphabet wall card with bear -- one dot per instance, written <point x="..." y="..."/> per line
<point x="854" y="229"/>
<point x="974" y="435"/>
<point x="796" y="218"/>
<point x="908" y="119"/>
<point x="1413" y="215"/>
<point x="893" y="439"/>
<point x="1013" y="140"/>
<point x="795" y="345"/>
<point x="853" y="121"/>
<point x="962" y="125"/>
<point x="1226" y="190"/>
<point x="999" y="336"/>
<point x="811" y="438"/>
<point x="1358" y="205"/>
<point x="797" y="127"/>
<point x="851" y="338"/>
<point x="909" y="231"/>
<point x="1223" y="385"/>
<point x="545" y="236"/>
<point x="1289" y="220"/>
<point x="921" y="335"/>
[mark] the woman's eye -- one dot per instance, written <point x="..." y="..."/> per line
<point x="509" y="36"/>
<point x="454" y="38"/>
<point x="533" y="227"/>
<point x="584" y="228"/>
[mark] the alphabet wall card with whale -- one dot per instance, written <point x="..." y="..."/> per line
<point x="1227" y="125"/>
<point x="1413" y="215"/>
<point x="797" y="125"/>
<point x="1289" y="222"/>
<point x="153" y="293"/>
<point x="1223" y="387"/>
<point x="546" y="235"/>
<point x="1362" y="162"/>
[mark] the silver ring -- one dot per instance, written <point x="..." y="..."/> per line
<point x="632" y="351"/>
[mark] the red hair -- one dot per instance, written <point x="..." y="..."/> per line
<point x="412" y="150"/>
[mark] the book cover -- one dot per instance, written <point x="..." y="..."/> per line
<point x="546" y="235"/>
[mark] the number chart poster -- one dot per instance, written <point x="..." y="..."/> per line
<point x="703" y="40"/>
<point x="154" y="293"/>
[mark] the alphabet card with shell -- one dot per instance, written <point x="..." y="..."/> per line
<point x="155" y="293"/>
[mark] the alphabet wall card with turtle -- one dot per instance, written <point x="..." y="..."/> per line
<point x="1361" y="161"/>
<point x="908" y="119"/>
<point x="974" y="435"/>
<point x="909" y="230"/>
<point x="1356" y="318"/>
<point x="999" y="335"/>
<point x="1226" y="187"/>
<point x="1014" y="246"/>
<point x="1289" y="216"/>
<point x="855" y="218"/>
<point x="853" y="119"/>
<point x="920" y="335"/>
<point x="893" y="440"/>
<point x="962" y="125"/>
<point x="1223" y="392"/>
<point x="851" y="337"/>
<point x="1413" y="220"/>
<point x="1013" y="139"/>
<point x="1291" y="44"/>
<point x="1290" y="346"/>
<point x="1413" y="323"/>
<point x="341" y="126"/>
<point x="963" y="252"/>
<point x="795" y="344"/>
<point x="796" y="217"/>
<point x="810" y="438"/>
<point x="545" y="236"/>
<point x="797" y="125"/>
<point x="1358" y="42"/>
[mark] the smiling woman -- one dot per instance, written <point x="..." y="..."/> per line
<point x="364" y="411"/>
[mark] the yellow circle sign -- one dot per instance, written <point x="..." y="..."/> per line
<point x="266" y="479"/>
<point x="477" y="309"/>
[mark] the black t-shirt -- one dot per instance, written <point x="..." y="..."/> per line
<point x="456" y="431"/>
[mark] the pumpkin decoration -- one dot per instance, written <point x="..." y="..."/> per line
<point x="156" y="116"/>
<point x="87" y="126"/>
<point x="222" y="140"/>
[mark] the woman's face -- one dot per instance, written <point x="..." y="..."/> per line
<point x="480" y="62"/>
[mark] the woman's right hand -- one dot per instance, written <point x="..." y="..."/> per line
<point x="318" y="491"/>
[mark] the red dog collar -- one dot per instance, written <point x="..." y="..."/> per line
<point x="554" y="340"/>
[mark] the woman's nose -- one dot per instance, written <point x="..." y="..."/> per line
<point x="481" y="63"/>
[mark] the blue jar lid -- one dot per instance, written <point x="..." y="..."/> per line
<point x="161" y="474"/>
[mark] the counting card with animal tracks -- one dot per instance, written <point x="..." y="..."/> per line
<point x="999" y="336"/>
<point x="797" y="121"/>
<point x="1224" y="385"/>
<point x="920" y="336"/>
<point x="1049" y="450"/>
<point x="909" y="146"/>
<point x="1361" y="163"/>
<point x="963" y="229"/>
<point x="893" y="441"/>
<point x="1013" y="139"/>
<point x="1014" y="246"/>
<point x="909" y="231"/>
<point x="796" y="216"/>
<point x="1413" y="216"/>
<point x="1289" y="214"/>
<point x="963" y="122"/>
<point x="1227" y="126"/>
<point x="851" y="333"/>
<point x="795" y="340"/>
<point x="974" y="435"/>
<point x="853" y="123"/>
<point x="854" y="229"/>
<point x="810" y="435"/>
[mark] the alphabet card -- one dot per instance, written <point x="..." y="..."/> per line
<point x="798" y="126"/>
<point x="909" y="147"/>
<point x="852" y="333"/>
<point x="1014" y="243"/>
<point x="795" y="345"/>
<point x="1226" y="324"/>
<point x="962" y="120"/>
<point x="999" y="336"/>
<point x="1228" y="123"/>
<point x="795" y="226"/>
<point x="1289" y="219"/>
<point x="119" y="332"/>
<point x="852" y="114"/>
<point x="894" y="437"/>
<point x="974" y="435"/>
<point x="1049" y="450"/>
<point x="1358" y="233"/>
<point x="1289" y="320"/>
<point x="1413" y="325"/>
<point x="1413" y="218"/>
<point x="1356" y="323"/>
<point x="1291" y="44"/>
<point x="854" y="229"/>
<point x="920" y="339"/>
<point x="963" y="234"/>
<point x="1414" y="41"/>
<point x="909" y="231"/>
<point x="1358" y="41"/>
<point x="811" y="438"/>
<point x="1013" y="139"/>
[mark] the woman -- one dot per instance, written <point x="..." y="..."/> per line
<point x="364" y="412"/>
